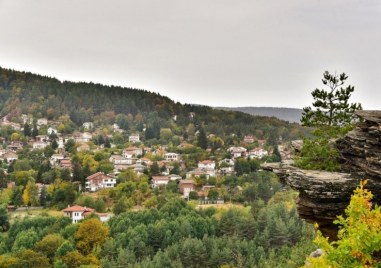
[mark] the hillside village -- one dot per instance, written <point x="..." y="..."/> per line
<point x="137" y="180"/>
<point x="90" y="160"/>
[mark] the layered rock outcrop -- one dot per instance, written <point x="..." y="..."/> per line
<point x="324" y="195"/>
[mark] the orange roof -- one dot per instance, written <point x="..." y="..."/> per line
<point x="77" y="208"/>
<point x="160" y="178"/>
<point x="94" y="175"/>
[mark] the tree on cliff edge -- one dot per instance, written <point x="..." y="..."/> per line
<point x="331" y="106"/>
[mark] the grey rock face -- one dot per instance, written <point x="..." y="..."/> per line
<point x="325" y="195"/>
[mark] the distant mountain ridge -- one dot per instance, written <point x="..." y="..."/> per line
<point x="292" y="115"/>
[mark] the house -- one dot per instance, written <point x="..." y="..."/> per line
<point x="55" y="159"/>
<point x="226" y="162"/>
<point x="185" y="187"/>
<point x="65" y="163"/>
<point x="51" y="130"/>
<point x="257" y="153"/>
<point x="158" y="181"/>
<point x="98" y="181"/>
<point x="134" y="137"/>
<point x="88" y="125"/>
<point x="83" y="147"/>
<point x="15" y="146"/>
<point x="77" y="213"/>
<point x="42" y="122"/>
<point x="15" y="126"/>
<point x="174" y="177"/>
<point x="84" y="137"/>
<point x="249" y="139"/>
<point x="237" y="152"/>
<point x="41" y="138"/>
<point x="144" y="161"/>
<point x="120" y="160"/>
<point x="207" y="164"/>
<point x="130" y="151"/>
<point x="9" y="156"/>
<point x="226" y="170"/>
<point x="171" y="157"/>
<point x="39" y="145"/>
<point x="198" y="172"/>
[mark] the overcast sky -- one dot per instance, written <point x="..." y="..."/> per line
<point x="214" y="52"/>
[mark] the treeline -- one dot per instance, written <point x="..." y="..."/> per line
<point x="175" y="234"/>
<point x="41" y="96"/>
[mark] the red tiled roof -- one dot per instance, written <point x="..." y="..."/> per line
<point x="207" y="162"/>
<point x="77" y="208"/>
<point x="160" y="178"/>
<point x="94" y="176"/>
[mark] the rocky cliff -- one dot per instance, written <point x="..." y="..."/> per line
<point x="324" y="195"/>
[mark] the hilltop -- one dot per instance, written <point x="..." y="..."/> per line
<point x="292" y="115"/>
<point x="76" y="103"/>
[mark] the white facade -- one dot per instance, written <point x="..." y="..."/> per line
<point x="99" y="181"/>
<point x="159" y="181"/>
<point x="171" y="157"/>
<point x="51" y="130"/>
<point x="207" y="164"/>
<point x="134" y="138"/>
<point x="39" y="145"/>
<point x="88" y="125"/>
<point x="258" y="153"/>
<point x="42" y="122"/>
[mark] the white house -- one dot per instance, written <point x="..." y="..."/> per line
<point x="9" y="156"/>
<point x="131" y="151"/>
<point x="237" y="152"/>
<point x="257" y="153"/>
<point x="120" y="160"/>
<point x="249" y="139"/>
<point x="42" y="122"/>
<point x="98" y="181"/>
<point x="88" y="125"/>
<point x="52" y="130"/>
<point x="174" y="177"/>
<point x="171" y="157"/>
<point x="84" y="137"/>
<point x="207" y="164"/>
<point x="226" y="161"/>
<point x="56" y="158"/>
<point x="158" y="181"/>
<point x="77" y="213"/>
<point x="39" y="144"/>
<point x="134" y="137"/>
<point x="185" y="187"/>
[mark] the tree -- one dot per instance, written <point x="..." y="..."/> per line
<point x="27" y="131"/>
<point x="202" y="140"/>
<point x="49" y="245"/>
<point x="332" y="107"/>
<point x="30" y="195"/>
<point x="4" y="219"/>
<point x="359" y="235"/>
<point x="85" y="242"/>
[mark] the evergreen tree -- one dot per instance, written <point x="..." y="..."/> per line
<point x="332" y="106"/>
<point x="202" y="140"/>
<point x="34" y="130"/>
<point x="27" y="130"/>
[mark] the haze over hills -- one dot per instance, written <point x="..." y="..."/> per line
<point x="292" y="115"/>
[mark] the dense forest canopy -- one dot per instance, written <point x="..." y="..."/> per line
<point x="42" y="96"/>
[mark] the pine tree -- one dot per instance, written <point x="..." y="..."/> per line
<point x="27" y="130"/>
<point x="332" y="106"/>
<point x="202" y="140"/>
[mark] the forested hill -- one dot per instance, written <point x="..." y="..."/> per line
<point x="288" y="114"/>
<point x="42" y="96"/>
